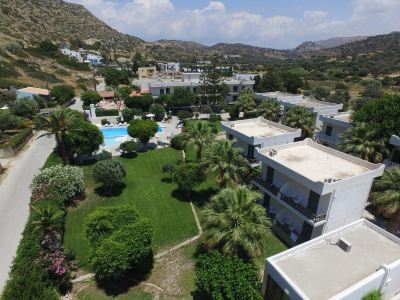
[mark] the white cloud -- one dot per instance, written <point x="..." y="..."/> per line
<point x="155" y="19"/>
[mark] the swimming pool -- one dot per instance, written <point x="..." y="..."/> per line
<point x="116" y="135"/>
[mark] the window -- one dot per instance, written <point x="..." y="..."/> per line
<point x="328" y="130"/>
<point x="230" y="137"/>
<point x="194" y="90"/>
<point x="161" y="91"/>
<point x="235" y="98"/>
<point x="313" y="201"/>
<point x="235" y="88"/>
<point x="270" y="174"/>
<point x="396" y="156"/>
<point x="168" y="91"/>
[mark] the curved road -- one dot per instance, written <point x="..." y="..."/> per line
<point x="14" y="199"/>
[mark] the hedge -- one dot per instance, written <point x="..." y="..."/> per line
<point x="17" y="140"/>
<point x="100" y="112"/>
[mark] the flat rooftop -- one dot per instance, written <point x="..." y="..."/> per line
<point x="316" y="162"/>
<point x="34" y="90"/>
<point x="323" y="269"/>
<point x="343" y="117"/>
<point x="258" y="127"/>
<point x="311" y="103"/>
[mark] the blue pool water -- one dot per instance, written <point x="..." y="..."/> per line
<point x="116" y="135"/>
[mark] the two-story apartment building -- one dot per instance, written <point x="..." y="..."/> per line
<point x="344" y="264"/>
<point x="258" y="133"/>
<point x="310" y="189"/>
<point x="394" y="159"/>
<point x="333" y="126"/>
<point x="315" y="107"/>
<point x="146" y="72"/>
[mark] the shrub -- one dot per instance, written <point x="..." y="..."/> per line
<point x="373" y="295"/>
<point x="128" y="147"/>
<point x="100" y="112"/>
<point x="221" y="277"/>
<point x="184" y="114"/>
<point x="143" y="130"/>
<point x="72" y="63"/>
<point x="108" y="172"/>
<point x="25" y="107"/>
<point x="17" y="140"/>
<point x="178" y="142"/>
<point x="62" y="93"/>
<point x="158" y="110"/>
<point x="206" y="110"/>
<point x="8" y="121"/>
<point x="140" y="102"/>
<point x="66" y="180"/>
<point x="214" y="118"/>
<point x="90" y="97"/>
<point x="103" y="155"/>
<point x="104" y="122"/>
<point x="84" y="140"/>
<point x="188" y="176"/>
<point x="130" y="113"/>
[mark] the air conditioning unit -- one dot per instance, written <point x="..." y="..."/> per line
<point x="344" y="244"/>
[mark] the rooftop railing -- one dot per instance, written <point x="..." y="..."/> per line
<point x="331" y="139"/>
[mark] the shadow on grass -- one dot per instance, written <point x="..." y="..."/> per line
<point x="129" y="155"/>
<point x="116" y="190"/>
<point x="198" y="197"/>
<point x="124" y="281"/>
<point x="166" y="180"/>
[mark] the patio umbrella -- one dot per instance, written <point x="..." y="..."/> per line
<point x="150" y="115"/>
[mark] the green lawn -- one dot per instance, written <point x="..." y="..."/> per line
<point x="147" y="190"/>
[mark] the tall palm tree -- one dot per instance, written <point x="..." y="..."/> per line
<point x="270" y="110"/>
<point x="46" y="217"/>
<point x="362" y="142"/>
<point x="246" y="101"/>
<point x="228" y="161"/>
<point x="198" y="134"/>
<point x="299" y="117"/>
<point x="235" y="223"/>
<point x="60" y="123"/>
<point x="386" y="196"/>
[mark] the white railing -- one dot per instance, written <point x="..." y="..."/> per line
<point x="327" y="138"/>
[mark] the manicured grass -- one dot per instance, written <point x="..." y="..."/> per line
<point x="149" y="190"/>
<point x="92" y="293"/>
<point x="272" y="245"/>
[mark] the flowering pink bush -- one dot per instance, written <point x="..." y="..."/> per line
<point x="52" y="241"/>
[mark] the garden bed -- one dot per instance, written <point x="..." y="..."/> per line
<point x="15" y="143"/>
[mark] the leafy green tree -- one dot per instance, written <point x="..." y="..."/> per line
<point x="340" y="96"/>
<point x="62" y="93"/>
<point x="128" y="147"/>
<point x="90" y="97"/>
<point x="25" y="107"/>
<point x="372" y="91"/>
<point x="181" y="97"/>
<point x="221" y="277"/>
<point x="381" y="115"/>
<point x="8" y="121"/>
<point x="143" y="130"/>
<point x="61" y="123"/>
<point x="320" y="93"/>
<point x="198" y="134"/>
<point x="361" y="141"/>
<point x="270" y="109"/>
<point x="373" y="295"/>
<point x="293" y="82"/>
<point x="272" y="81"/>
<point x="235" y="223"/>
<point x="114" y="77"/>
<point x="109" y="173"/>
<point x="46" y="217"/>
<point x="386" y="196"/>
<point x="246" y="101"/>
<point x="158" y="110"/>
<point x="212" y="88"/>
<point x="299" y="117"/>
<point x="140" y="102"/>
<point x="178" y="142"/>
<point x="188" y="176"/>
<point x="227" y="161"/>
<point x="169" y="168"/>
<point x="84" y="138"/>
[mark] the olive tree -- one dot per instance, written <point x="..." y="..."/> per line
<point x="108" y="172"/>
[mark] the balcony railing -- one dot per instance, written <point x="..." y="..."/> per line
<point x="390" y="164"/>
<point x="269" y="186"/>
<point x="292" y="201"/>
<point x="327" y="138"/>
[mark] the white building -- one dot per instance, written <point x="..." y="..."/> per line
<point x="169" y="66"/>
<point x="82" y="55"/>
<point x="394" y="159"/>
<point x="244" y="76"/>
<point x="310" y="189"/>
<point x="333" y="126"/>
<point x="31" y="92"/>
<point x="345" y="264"/>
<point x="258" y="133"/>
<point x="315" y="107"/>
<point x="192" y="82"/>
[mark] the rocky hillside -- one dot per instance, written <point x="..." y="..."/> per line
<point x="339" y="41"/>
<point x="307" y="47"/>
<point x="30" y="21"/>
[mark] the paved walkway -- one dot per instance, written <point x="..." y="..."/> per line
<point x="14" y="200"/>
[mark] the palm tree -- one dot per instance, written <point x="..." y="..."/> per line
<point x="246" y="101"/>
<point x="198" y="134"/>
<point x="60" y="123"/>
<point x="228" y="161"/>
<point x="299" y="117"/>
<point x="361" y="141"/>
<point x="270" y="110"/>
<point x="386" y="196"/>
<point x="46" y="217"/>
<point x="235" y="223"/>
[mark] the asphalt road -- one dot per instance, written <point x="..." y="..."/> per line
<point x="14" y="200"/>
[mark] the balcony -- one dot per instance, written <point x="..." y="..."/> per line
<point x="293" y="202"/>
<point x="326" y="138"/>
<point x="390" y="164"/>
<point x="269" y="186"/>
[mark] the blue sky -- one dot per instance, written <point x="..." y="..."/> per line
<point x="278" y="24"/>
